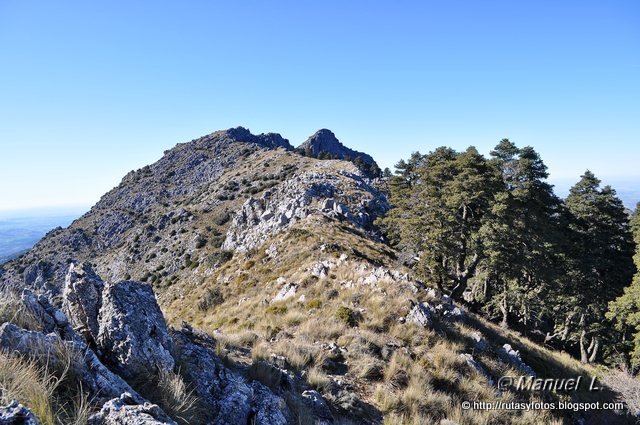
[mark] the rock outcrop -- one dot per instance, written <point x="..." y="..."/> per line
<point x="133" y="336"/>
<point x="324" y="141"/>
<point x="82" y="299"/>
<point x="49" y="349"/>
<point x="126" y="410"/>
<point x="133" y="344"/>
<point x="307" y="193"/>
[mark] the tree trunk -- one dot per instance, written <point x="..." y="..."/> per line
<point x="503" y="309"/>
<point x="596" y="346"/>
<point x="584" y="355"/>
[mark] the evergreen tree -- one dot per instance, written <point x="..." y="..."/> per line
<point x="520" y="237"/>
<point x="441" y="203"/>
<point x="599" y="262"/>
<point x="625" y="310"/>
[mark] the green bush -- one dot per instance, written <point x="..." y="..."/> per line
<point x="347" y="316"/>
<point x="314" y="304"/>
<point x="276" y="309"/>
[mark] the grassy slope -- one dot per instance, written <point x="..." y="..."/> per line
<point x="421" y="379"/>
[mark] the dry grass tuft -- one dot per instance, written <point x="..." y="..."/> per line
<point x="13" y="310"/>
<point x="169" y="391"/>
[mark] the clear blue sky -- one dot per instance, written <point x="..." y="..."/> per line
<point x="90" y="90"/>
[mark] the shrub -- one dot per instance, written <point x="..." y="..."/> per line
<point x="223" y="218"/>
<point x="201" y="243"/>
<point x="314" y="303"/>
<point x="219" y="258"/>
<point x="211" y="298"/>
<point x="276" y="309"/>
<point x="347" y="316"/>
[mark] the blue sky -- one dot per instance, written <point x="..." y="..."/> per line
<point x="91" y="90"/>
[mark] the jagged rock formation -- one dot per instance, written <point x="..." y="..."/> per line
<point x="134" y="345"/>
<point x="317" y="192"/>
<point x="82" y="299"/>
<point x="126" y="410"/>
<point x="324" y="141"/>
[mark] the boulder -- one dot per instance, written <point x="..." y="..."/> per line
<point x="82" y="299"/>
<point x="287" y="291"/>
<point x="124" y="410"/>
<point x="420" y="314"/>
<point x="133" y="338"/>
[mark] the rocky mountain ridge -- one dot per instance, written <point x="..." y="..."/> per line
<point x="251" y="282"/>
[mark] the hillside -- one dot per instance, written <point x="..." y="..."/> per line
<point x="276" y="287"/>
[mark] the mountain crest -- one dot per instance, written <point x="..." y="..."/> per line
<point x="324" y="143"/>
<point x="268" y="140"/>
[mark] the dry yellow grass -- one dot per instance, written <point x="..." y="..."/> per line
<point x="420" y="379"/>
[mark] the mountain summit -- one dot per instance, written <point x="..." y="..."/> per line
<point x="324" y="144"/>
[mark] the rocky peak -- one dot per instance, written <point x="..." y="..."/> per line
<point x="324" y="141"/>
<point x="267" y="140"/>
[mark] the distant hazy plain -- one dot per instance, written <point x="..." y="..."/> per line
<point x="20" y="230"/>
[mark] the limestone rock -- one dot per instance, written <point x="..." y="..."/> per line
<point x="17" y="414"/>
<point x="480" y="343"/>
<point x="227" y="397"/>
<point x="124" y="410"/>
<point x="317" y="407"/>
<point x="287" y="291"/>
<point x="420" y="314"/>
<point x="513" y="356"/>
<point x="304" y="194"/>
<point x="133" y="336"/>
<point x="82" y="299"/>
<point x="96" y="379"/>
<point x="324" y="141"/>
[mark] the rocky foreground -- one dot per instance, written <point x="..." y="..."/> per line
<point x="117" y="334"/>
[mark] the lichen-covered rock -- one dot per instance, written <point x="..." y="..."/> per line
<point x="133" y="338"/>
<point x="82" y="299"/>
<point x="227" y="397"/>
<point x="125" y="410"/>
<point x="268" y="408"/>
<point x="16" y="414"/>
